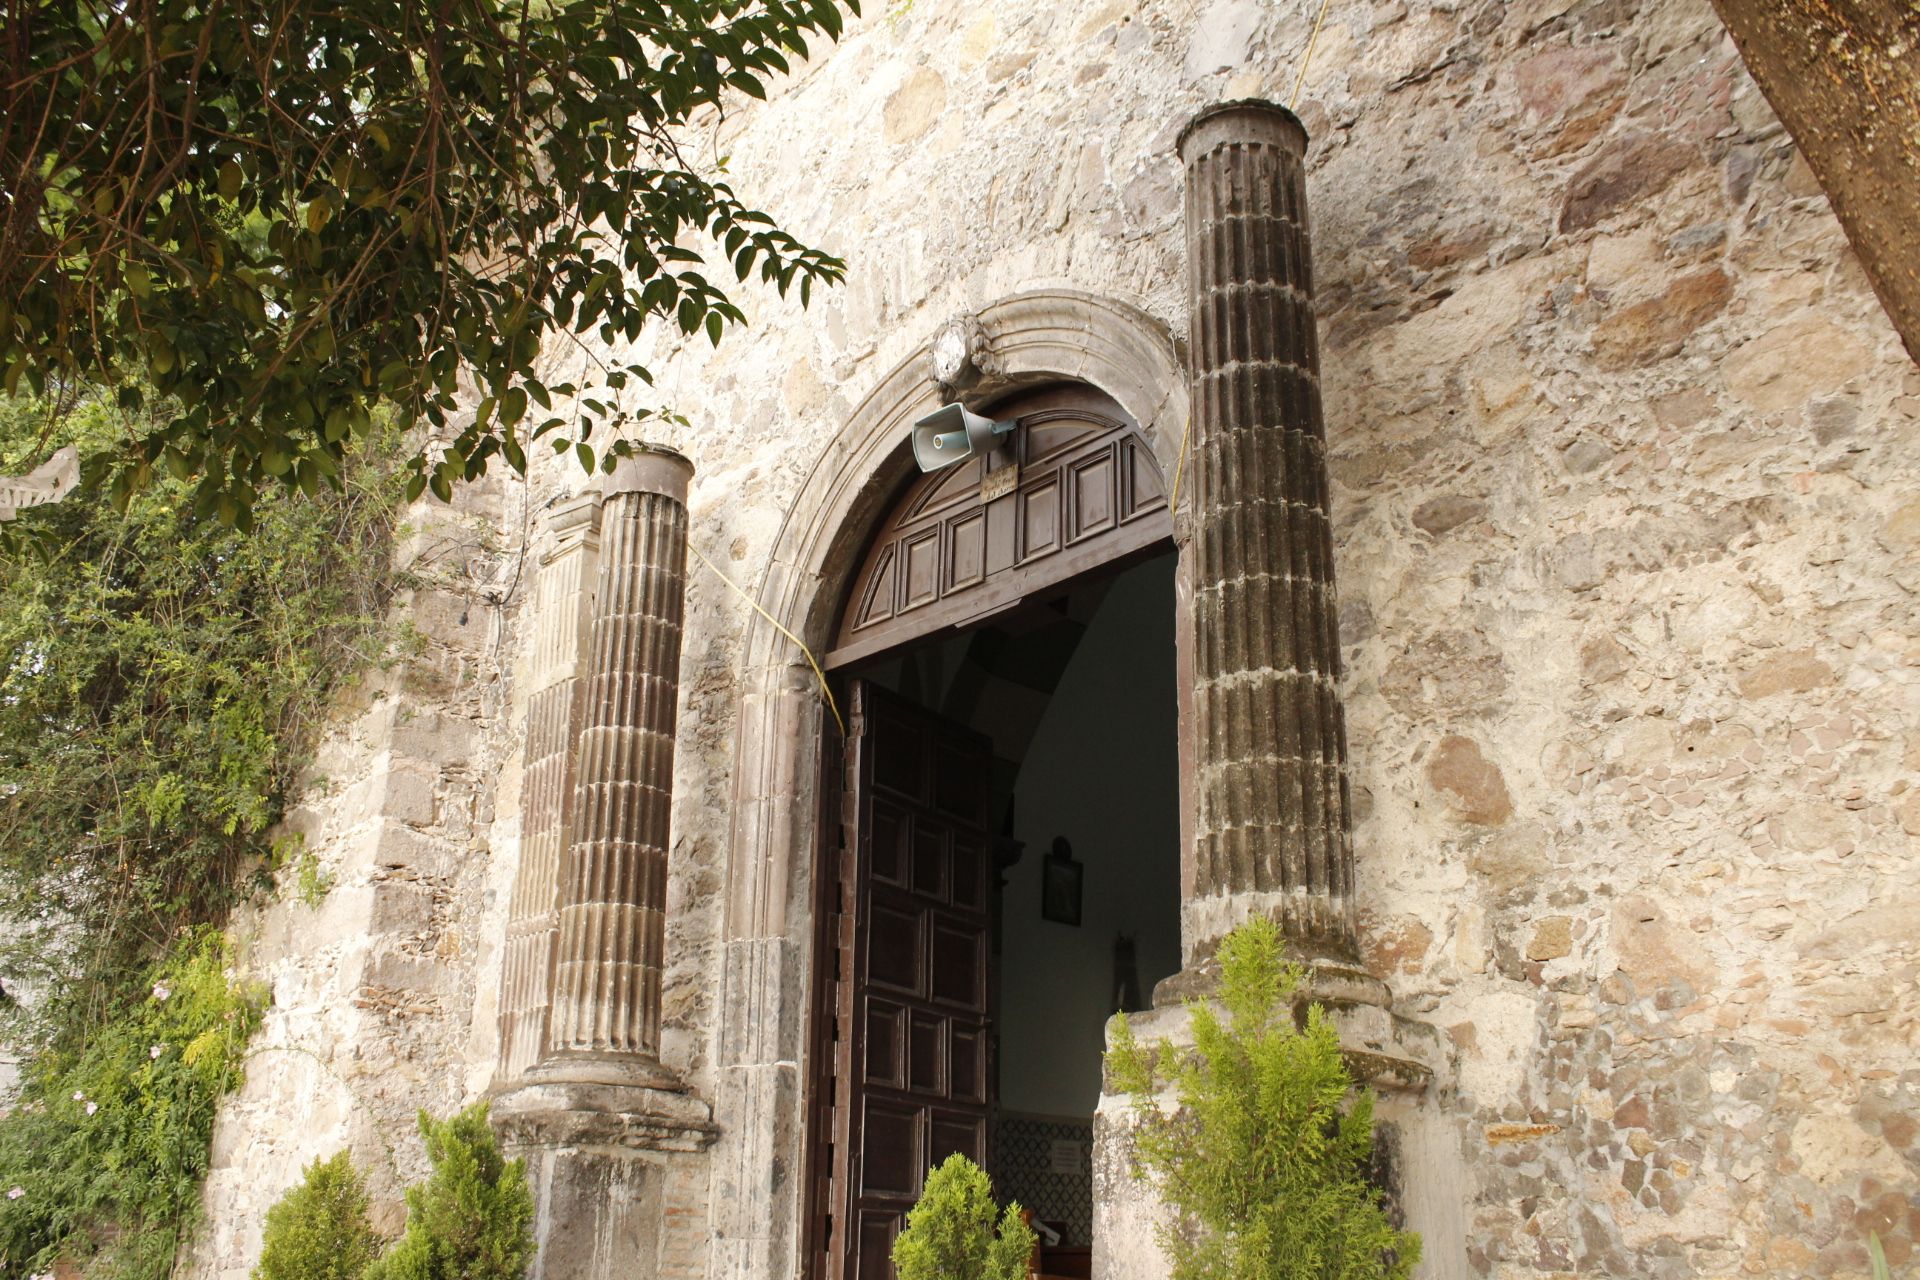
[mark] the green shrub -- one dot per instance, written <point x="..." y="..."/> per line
<point x="161" y="676"/>
<point x="950" y="1233"/>
<point x="160" y="679"/>
<point x="472" y="1219"/>
<point x="109" y="1140"/>
<point x="1264" y="1163"/>
<point x="319" y="1229"/>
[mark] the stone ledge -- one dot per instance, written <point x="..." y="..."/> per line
<point x="561" y="1114"/>
<point x="1385" y="1050"/>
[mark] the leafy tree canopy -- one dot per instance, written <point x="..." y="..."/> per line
<point x="282" y="215"/>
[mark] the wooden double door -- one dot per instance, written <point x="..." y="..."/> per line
<point x="912" y="1036"/>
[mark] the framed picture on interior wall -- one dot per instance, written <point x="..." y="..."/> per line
<point x="1060" y="885"/>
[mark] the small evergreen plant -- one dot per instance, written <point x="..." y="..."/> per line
<point x="950" y="1233"/>
<point x="319" y="1230"/>
<point x="1264" y="1162"/>
<point x="472" y="1219"/>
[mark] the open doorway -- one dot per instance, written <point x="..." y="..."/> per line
<point x="1008" y="870"/>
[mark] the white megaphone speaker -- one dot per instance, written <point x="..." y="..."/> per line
<point x="950" y="434"/>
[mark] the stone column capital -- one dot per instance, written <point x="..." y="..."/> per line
<point x="651" y="469"/>
<point x="1246" y="120"/>
<point x="572" y="523"/>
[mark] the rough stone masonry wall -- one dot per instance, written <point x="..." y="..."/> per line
<point x="373" y="983"/>
<point x="1628" y="531"/>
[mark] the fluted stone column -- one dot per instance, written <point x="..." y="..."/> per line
<point x="598" y="1118"/>
<point x="604" y="1023"/>
<point x="1272" y="831"/>
<point x="1272" y="827"/>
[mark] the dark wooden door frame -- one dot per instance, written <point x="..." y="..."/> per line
<point x="1091" y="558"/>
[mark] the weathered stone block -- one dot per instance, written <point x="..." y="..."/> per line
<point x="914" y="106"/>
<point x="1628" y="169"/>
<point x="1788" y="365"/>
<point x="1659" y="327"/>
<point x="1473" y="786"/>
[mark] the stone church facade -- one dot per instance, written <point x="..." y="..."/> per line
<point x="1590" y="794"/>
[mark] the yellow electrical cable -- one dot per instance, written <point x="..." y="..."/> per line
<point x="1179" y="465"/>
<point x="755" y="606"/>
<point x="1307" y="61"/>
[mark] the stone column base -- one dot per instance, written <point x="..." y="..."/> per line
<point x="571" y="1113"/>
<point x="599" y="1157"/>
<point x="1384" y="1050"/>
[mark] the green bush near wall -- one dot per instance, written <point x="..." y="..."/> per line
<point x="472" y="1219"/>
<point x="1265" y="1159"/>
<point x="162" y="678"/>
<point x="102" y="1155"/>
<point x="320" y="1229"/>
<point x="950" y="1233"/>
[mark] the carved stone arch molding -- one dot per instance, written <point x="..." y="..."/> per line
<point x="759" y="1188"/>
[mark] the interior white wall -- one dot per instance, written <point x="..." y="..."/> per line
<point x="1102" y="771"/>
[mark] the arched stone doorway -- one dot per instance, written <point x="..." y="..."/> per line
<point x="760" y="1186"/>
<point x="1006" y="658"/>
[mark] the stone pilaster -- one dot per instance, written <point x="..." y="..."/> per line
<point x="604" y="1020"/>
<point x="562" y="616"/>
<point x="1272" y="829"/>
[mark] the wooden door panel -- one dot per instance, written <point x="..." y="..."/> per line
<point x="926" y="1053"/>
<point x="914" y="1004"/>
<point x="894" y="949"/>
<point x="958" y="968"/>
<point x="959" y="785"/>
<point x="875" y="1260"/>
<point x="959" y="1133"/>
<point x="885" y="1027"/>
<point x="891" y="1163"/>
<point x="930" y="859"/>
<point x="892" y="844"/>
<point x="967" y="1070"/>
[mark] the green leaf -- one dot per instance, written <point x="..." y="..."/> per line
<point x="513" y="406"/>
